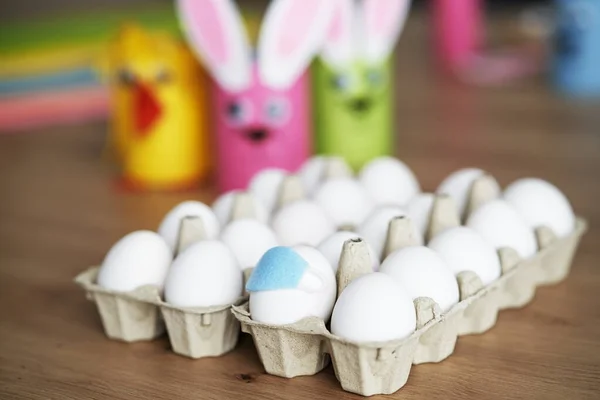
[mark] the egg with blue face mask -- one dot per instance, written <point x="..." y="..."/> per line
<point x="289" y="284"/>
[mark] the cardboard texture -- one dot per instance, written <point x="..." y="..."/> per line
<point x="124" y="316"/>
<point x="304" y="348"/>
<point x="142" y="315"/>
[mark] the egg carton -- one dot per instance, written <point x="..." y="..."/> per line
<point x="141" y="314"/>
<point x="306" y="347"/>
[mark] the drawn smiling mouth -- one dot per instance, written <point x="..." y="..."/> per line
<point x="257" y="135"/>
<point x="360" y="105"/>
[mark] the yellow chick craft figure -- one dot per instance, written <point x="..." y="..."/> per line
<point x="158" y="129"/>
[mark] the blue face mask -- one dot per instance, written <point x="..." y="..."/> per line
<point x="279" y="268"/>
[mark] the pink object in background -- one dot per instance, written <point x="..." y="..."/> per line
<point x="260" y="128"/>
<point x="52" y="108"/>
<point x="457" y="32"/>
<point x="261" y="112"/>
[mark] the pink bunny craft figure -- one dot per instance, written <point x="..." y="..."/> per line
<point x="262" y="113"/>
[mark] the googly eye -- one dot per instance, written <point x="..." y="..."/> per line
<point x="341" y="82"/>
<point x="163" y="75"/>
<point x="374" y="77"/>
<point x="237" y="111"/>
<point x="276" y="109"/>
<point x="125" y="77"/>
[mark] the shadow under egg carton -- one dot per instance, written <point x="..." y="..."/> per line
<point x="305" y="347"/>
<point x="141" y="314"/>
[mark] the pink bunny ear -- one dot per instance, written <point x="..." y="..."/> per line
<point x="293" y="32"/>
<point x="215" y="31"/>
<point x="340" y="42"/>
<point x="383" y="21"/>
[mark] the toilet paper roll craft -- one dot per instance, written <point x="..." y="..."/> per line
<point x="158" y="133"/>
<point x="353" y="81"/>
<point x="261" y="108"/>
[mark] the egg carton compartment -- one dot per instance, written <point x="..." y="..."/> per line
<point x="125" y="315"/>
<point x="141" y="314"/>
<point x="305" y="347"/>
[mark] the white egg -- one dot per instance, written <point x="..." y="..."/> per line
<point x="463" y="249"/>
<point x="419" y="211"/>
<point x="314" y="170"/>
<point x="541" y="203"/>
<point x="314" y="295"/>
<point x="203" y="275"/>
<point x="249" y="240"/>
<point x="423" y="273"/>
<point x="169" y="227"/>
<point x="139" y="258"/>
<point x="265" y="187"/>
<point x="223" y="206"/>
<point x="375" y="228"/>
<point x="332" y="247"/>
<point x="373" y="308"/>
<point x="302" y="222"/>
<point x="311" y="173"/>
<point x="458" y="186"/>
<point x="389" y="181"/>
<point x="500" y="225"/>
<point x="344" y="200"/>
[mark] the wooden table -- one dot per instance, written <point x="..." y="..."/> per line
<point x="59" y="214"/>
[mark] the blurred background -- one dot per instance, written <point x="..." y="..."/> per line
<point x="492" y="114"/>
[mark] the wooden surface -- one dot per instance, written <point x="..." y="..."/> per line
<point x="59" y="214"/>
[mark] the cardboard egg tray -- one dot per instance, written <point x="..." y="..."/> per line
<point x="141" y="314"/>
<point x="306" y="347"/>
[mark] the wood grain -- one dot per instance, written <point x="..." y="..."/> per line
<point x="59" y="213"/>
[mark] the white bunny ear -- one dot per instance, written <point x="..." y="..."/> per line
<point x="216" y="32"/>
<point x="382" y="22"/>
<point x="292" y="33"/>
<point x="340" y="42"/>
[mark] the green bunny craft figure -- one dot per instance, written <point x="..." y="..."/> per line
<point x="353" y="82"/>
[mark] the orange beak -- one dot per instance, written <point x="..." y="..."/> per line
<point x="146" y="109"/>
